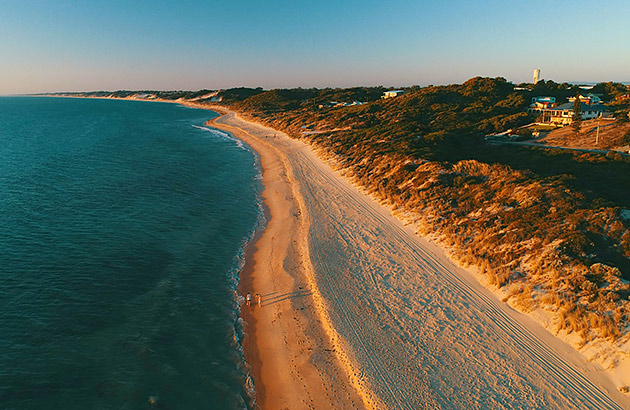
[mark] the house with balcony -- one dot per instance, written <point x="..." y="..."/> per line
<point x="540" y="103"/>
<point x="563" y="114"/>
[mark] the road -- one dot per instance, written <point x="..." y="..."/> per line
<point x="537" y="145"/>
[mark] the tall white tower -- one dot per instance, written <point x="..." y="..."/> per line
<point x="536" y="75"/>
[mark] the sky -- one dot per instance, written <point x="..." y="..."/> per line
<point x="68" y="45"/>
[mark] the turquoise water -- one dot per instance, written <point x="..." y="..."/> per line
<point x="121" y="235"/>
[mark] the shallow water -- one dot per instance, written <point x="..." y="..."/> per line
<point x="121" y="237"/>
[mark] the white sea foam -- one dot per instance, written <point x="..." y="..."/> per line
<point x="223" y="135"/>
<point x="239" y="263"/>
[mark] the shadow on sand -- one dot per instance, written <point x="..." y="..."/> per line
<point x="274" y="297"/>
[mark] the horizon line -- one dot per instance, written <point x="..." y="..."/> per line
<point x="578" y="83"/>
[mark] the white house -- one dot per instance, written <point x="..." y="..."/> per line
<point x="393" y="93"/>
<point x="563" y="114"/>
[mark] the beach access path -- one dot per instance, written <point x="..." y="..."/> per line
<point x="360" y="312"/>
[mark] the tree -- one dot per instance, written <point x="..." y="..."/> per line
<point x="577" y="115"/>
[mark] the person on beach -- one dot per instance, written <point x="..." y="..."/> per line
<point x="248" y="299"/>
<point x="258" y="299"/>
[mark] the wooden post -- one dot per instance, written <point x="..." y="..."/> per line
<point x="597" y="135"/>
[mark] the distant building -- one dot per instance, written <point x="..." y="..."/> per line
<point x="587" y="99"/>
<point x="336" y="104"/>
<point x="393" y="93"/>
<point x="328" y="104"/>
<point x="536" y="75"/>
<point x="563" y="114"/>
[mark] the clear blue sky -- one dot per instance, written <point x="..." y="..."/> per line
<point x="66" y="45"/>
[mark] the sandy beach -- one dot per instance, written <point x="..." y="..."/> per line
<point x="296" y="361"/>
<point x="360" y="312"/>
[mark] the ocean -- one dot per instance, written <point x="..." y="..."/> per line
<point x="122" y="231"/>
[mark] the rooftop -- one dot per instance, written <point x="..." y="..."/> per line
<point x="583" y="107"/>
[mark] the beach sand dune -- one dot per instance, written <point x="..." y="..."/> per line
<point x="360" y="312"/>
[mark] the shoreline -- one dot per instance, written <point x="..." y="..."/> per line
<point x="272" y="346"/>
<point x="245" y="284"/>
<point x="248" y="324"/>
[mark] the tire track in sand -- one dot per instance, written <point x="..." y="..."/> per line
<point x="581" y="392"/>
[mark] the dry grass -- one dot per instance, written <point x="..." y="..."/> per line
<point x="611" y="135"/>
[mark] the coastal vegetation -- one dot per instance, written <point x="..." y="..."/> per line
<point x="546" y="226"/>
